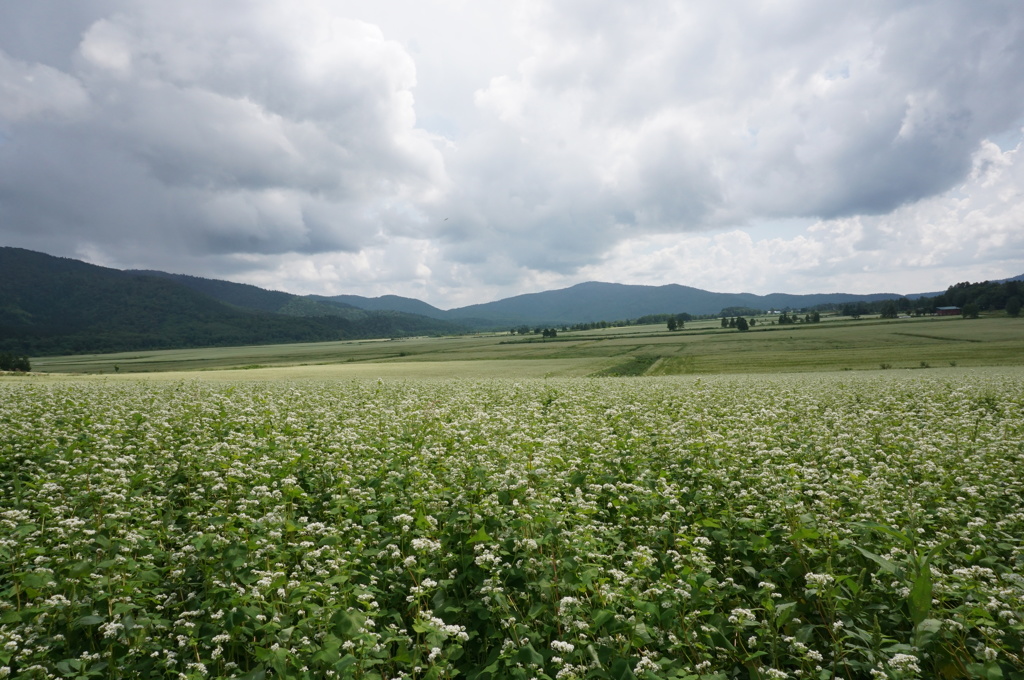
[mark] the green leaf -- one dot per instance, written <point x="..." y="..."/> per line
<point x="784" y="612"/>
<point x="884" y="563"/>
<point x="88" y="621"/>
<point x="988" y="671"/>
<point x="528" y="655"/>
<point x="921" y="596"/>
<point x="344" y="663"/>
<point x="805" y="534"/>
<point x="875" y="526"/>
<point x="479" y="537"/>
<point x="536" y="610"/>
<point x="621" y="670"/>
<point x="347" y="624"/>
<point x="69" y="667"/>
<point x="258" y="673"/>
<point x="402" y="654"/>
<point x="80" y="569"/>
<point x="279" y="661"/>
<point x="330" y="653"/>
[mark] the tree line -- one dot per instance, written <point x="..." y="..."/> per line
<point x="971" y="298"/>
<point x="543" y="332"/>
<point x="14" y="362"/>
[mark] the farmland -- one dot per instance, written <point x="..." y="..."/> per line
<point x="703" y="347"/>
<point x="851" y="524"/>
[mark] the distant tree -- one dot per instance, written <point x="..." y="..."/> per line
<point x="740" y="311"/>
<point x="550" y="333"/>
<point x="1013" y="306"/>
<point x="889" y="310"/>
<point x="816" y="317"/>
<point x="14" y="362"/>
<point x="524" y="330"/>
<point x="969" y="311"/>
<point x="725" y="322"/>
<point x="672" y="323"/>
<point x="753" y="322"/>
<point x="741" y="324"/>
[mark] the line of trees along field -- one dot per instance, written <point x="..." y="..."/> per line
<point x="987" y="296"/>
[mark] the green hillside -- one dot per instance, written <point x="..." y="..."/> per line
<point x="51" y="305"/>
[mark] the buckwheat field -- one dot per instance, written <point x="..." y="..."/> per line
<point x="839" y="525"/>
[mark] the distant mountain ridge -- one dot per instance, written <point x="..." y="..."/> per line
<point x="59" y="305"/>
<point x="594" y="301"/>
<point x="597" y="301"/>
<point x="55" y="305"/>
<point x="393" y="303"/>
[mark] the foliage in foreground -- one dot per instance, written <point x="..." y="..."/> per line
<point x="776" y="528"/>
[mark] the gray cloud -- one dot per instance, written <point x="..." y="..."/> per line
<point x="647" y="118"/>
<point x="263" y="130"/>
<point x="238" y="136"/>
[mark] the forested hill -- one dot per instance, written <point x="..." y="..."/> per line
<point x="596" y="301"/>
<point x="54" y="305"/>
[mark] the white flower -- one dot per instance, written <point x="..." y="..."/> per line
<point x="905" y="663"/>
<point x="563" y="647"/>
<point x="819" y="580"/>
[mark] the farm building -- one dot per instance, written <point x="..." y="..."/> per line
<point x="947" y="311"/>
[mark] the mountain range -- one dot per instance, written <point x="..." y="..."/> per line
<point x="56" y="305"/>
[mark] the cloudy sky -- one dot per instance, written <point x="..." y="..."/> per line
<point x="461" y="151"/>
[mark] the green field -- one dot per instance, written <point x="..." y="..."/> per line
<point x="702" y="348"/>
<point x="495" y="506"/>
<point x="810" y="525"/>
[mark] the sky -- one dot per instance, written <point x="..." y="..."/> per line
<point x="461" y="151"/>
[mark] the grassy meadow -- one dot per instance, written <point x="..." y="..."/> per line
<point x="701" y="348"/>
